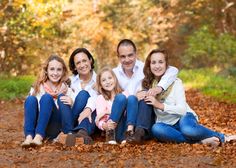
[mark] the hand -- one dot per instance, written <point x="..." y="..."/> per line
<point x="111" y="124"/>
<point x="86" y="113"/>
<point x="105" y="125"/>
<point x="154" y="91"/>
<point x="151" y="100"/>
<point x="141" y="95"/>
<point x="66" y="100"/>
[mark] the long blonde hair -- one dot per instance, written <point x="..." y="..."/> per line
<point x="107" y="95"/>
<point x="43" y="77"/>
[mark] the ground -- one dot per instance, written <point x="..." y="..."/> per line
<point x="217" y="115"/>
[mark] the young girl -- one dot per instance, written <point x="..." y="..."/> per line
<point x="175" y="120"/>
<point x="111" y="105"/>
<point x="47" y="109"/>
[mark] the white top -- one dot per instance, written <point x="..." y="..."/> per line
<point x="134" y="84"/>
<point x="175" y="105"/>
<point x="131" y="85"/>
<point x="42" y="91"/>
<point x="90" y="88"/>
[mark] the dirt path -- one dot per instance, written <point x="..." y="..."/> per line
<point x="217" y="115"/>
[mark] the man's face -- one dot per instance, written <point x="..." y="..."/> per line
<point x="127" y="57"/>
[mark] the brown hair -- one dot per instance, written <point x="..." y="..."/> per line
<point x="43" y="77"/>
<point x="126" y="42"/>
<point x="148" y="75"/>
<point x="107" y="94"/>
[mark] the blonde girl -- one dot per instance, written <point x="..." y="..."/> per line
<point x="111" y="105"/>
<point x="47" y="109"/>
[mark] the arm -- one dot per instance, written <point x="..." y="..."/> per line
<point x="180" y="105"/>
<point x="177" y="106"/>
<point x="87" y="112"/>
<point x="166" y="80"/>
<point x="101" y="109"/>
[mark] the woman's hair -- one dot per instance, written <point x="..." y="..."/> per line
<point x="148" y="75"/>
<point x="71" y="60"/>
<point x="107" y="94"/>
<point x="43" y="77"/>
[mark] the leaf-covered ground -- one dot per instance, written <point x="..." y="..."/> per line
<point x="220" y="116"/>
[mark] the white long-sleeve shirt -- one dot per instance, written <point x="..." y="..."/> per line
<point x="76" y="86"/>
<point x="134" y="84"/>
<point x="175" y="105"/>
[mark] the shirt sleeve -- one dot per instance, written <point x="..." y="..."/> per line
<point x="91" y="103"/>
<point x="100" y="105"/>
<point x="179" y="106"/>
<point x="168" y="78"/>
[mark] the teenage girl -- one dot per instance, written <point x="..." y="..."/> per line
<point x="47" y="110"/>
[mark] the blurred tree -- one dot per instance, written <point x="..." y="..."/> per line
<point x="29" y="32"/>
<point x="201" y="25"/>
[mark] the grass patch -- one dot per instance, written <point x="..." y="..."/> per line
<point x="208" y="82"/>
<point x="15" y="87"/>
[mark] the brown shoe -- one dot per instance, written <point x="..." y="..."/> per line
<point x="137" y="137"/>
<point x="129" y="136"/>
<point x="81" y="137"/>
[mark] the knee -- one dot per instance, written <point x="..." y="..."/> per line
<point x="83" y="94"/>
<point x="120" y="98"/>
<point x="157" y="130"/>
<point x="46" y="98"/>
<point x="31" y="100"/>
<point x="187" y="131"/>
<point x="132" y="99"/>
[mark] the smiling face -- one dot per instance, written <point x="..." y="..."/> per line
<point x="54" y="71"/>
<point x="82" y="64"/>
<point x="107" y="81"/>
<point x="127" y="57"/>
<point x="158" y="64"/>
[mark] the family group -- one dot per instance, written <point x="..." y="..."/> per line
<point x="130" y="103"/>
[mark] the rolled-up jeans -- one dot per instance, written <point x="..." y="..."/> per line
<point x="187" y="129"/>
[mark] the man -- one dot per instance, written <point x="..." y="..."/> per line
<point x="130" y="75"/>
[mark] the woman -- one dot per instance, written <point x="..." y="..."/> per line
<point x="83" y="81"/>
<point x="175" y="120"/>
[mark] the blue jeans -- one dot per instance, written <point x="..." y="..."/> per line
<point x="48" y="121"/>
<point x="79" y="105"/>
<point x="145" y="117"/>
<point x="187" y="129"/>
<point x="124" y="111"/>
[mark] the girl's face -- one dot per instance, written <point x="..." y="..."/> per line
<point x="54" y="71"/>
<point x="82" y="64"/>
<point x="107" y="81"/>
<point x="158" y="64"/>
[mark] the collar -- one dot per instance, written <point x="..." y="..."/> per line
<point x="76" y="77"/>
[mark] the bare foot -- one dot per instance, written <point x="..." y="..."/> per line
<point x="230" y="138"/>
<point x="212" y="141"/>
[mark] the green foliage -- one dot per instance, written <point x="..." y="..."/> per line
<point x="14" y="87"/>
<point x="206" y="49"/>
<point x="29" y="32"/>
<point x="210" y="83"/>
